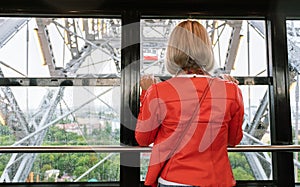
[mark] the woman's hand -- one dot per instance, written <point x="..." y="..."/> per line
<point x="146" y="81"/>
<point x="229" y="78"/>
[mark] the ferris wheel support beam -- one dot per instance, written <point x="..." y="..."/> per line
<point x="46" y="47"/>
<point x="233" y="46"/>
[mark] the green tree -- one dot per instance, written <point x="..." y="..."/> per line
<point x="241" y="174"/>
<point x="240" y="167"/>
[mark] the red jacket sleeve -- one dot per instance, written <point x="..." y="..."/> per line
<point x="148" y="118"/>
<point x="235" y="132"/>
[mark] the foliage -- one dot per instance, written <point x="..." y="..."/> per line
<point x="72" y="164"/>
<point x="57" y="136"/>
<point x="241" y="174"/>
<point x="76" y="164"/>
<point x="240" y="167"/>
<point x="6" y="137"/>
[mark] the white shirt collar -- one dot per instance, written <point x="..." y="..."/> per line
<point x="191" y="75"/>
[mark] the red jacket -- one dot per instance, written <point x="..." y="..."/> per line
<point x="199" y="147"/>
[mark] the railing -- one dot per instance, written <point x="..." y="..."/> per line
<point x="60" y="149"/>
<point x="103" y="80"/>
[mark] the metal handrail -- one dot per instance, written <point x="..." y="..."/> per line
<point x="66" y="149"/>
<point x="102" y="80"/>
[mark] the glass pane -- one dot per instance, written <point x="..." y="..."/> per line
<point x="64" y="47"/>
<point x="49" y="116"/>
<point x="293" y="39"/>
<point x="67" y="115"/>
<point x="64" y="116"/>
<point x="245" y="166"/>
<point x="256" y="124"/>
<point x="251" y="165"/>
<point x="256" y="127"/>
<point x="62" y="167"/>
<point x="240" y="49"/>
<point x="145" y="159"/>
<point x="239" y="45"/>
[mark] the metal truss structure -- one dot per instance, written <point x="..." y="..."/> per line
<point x="104" y="35"/>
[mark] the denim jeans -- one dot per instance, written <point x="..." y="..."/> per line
<point x="162" y="185"/>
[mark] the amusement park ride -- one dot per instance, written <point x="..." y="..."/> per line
<point x="86" y="37"/>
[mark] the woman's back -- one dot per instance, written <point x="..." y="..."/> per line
<point x="199" y="146"/>
<point x="190" y="141"/>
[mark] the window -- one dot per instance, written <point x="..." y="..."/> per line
<point x="293" y="39"/>
<point x="240" y="50"/>
<point x="67" y="93"/>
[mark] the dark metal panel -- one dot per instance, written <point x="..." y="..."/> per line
<point x="116" y="184"/>
<point x="250" y="80"/>
<point x="280" y="114"/>
<point x="254" y="183"/>
<point x="62" y="184"/>
<point x="174" y="7"/>
<point x="99" y="184"/>
<point x="105" y="80"/>
<point x="130" y="73"/>
<point x="130" y="68"/>
<point x="235" y="8"/>
<point x="99" y="81"/>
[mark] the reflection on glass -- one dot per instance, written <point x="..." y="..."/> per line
<point x="293" y="39"/>
<point x="239" y="45"/>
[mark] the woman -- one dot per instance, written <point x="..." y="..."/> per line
<point x="191" y="118"/>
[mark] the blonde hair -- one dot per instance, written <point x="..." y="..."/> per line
<point x="189" y="47"/>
